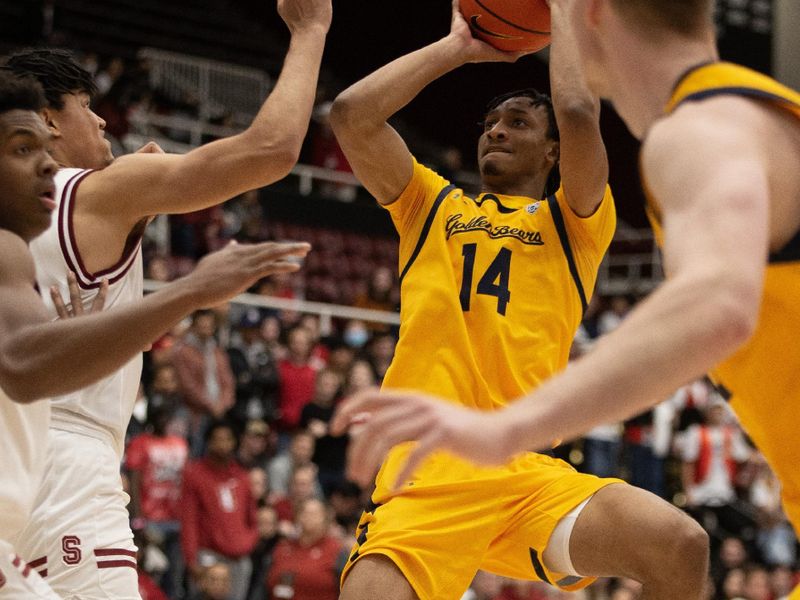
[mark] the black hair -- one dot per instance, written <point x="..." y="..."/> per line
<point x="219" y="424"/>
<point x="537" y="99"/>
<point x="55" y="69"/>
<point x="20" y="93"/>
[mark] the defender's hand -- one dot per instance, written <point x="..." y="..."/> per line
<point x="230" y="271"/>
<point x="302" y="14"/>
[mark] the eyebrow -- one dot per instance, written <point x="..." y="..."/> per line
<point x="27" y="132"/>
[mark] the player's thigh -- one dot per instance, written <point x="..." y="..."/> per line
<point x="376" y="576"/>
<point x="627" y="531"/>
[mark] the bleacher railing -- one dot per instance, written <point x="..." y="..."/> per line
<point x="326" y="312"/>
<point x="219" y="89"/>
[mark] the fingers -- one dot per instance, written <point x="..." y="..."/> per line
<point x="58" y="302"/>
<point x="354" y="406"/>
<point x="100" y="299"/>
<point x="74" y="294"/>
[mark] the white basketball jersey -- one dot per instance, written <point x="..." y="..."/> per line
<point x="105" y="407"/>
<point x="23" y="435"/>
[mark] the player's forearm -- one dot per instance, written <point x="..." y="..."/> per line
<point x="63" y="356"/>
<point x="372" y="101"/>
<point x="283" y="120"/>
<point x="679" y="333"/>
<point x="571" y="94"/>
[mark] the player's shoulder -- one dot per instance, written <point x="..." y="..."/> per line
<point x="700" y="130"/>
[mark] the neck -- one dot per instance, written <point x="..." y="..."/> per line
<point x="219" y="461"/>
<point x="655" y="64"/>
<point x="529" y="188"/>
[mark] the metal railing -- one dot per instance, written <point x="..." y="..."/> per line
<point x="326" y="312"/>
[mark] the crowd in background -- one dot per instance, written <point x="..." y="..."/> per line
<point x="238" y="491"/>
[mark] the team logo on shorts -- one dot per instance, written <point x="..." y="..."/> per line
<point x="532" y="208"/>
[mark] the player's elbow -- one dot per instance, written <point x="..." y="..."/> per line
<point x="577" y="110"/>
<point x="733" y="310"/>
<point x="346" y="113"/>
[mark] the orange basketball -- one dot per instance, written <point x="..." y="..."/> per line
<point x="510" y="25"/>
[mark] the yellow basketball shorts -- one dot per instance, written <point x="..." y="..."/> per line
<point x="454" y="518"/>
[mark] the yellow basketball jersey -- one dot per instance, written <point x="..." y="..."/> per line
<point x="493" y="288"/>
<point x="762" y="379"/>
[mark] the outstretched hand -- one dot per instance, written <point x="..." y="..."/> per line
<point x="476" y="50"/>
<point x="379" y="421"/>
<point x="223" y="274"/>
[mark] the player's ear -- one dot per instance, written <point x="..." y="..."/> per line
<point x="553" y="152"/>
<point x="50" y="118"/>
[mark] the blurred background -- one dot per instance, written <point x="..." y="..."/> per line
<point x="186" y="72"/>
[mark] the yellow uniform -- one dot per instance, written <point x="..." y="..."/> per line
<point x="761" y="379"/>
<point x="493" y="290"/>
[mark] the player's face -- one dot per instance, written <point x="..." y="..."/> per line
<point x="80" y="134"/>
<point x="514" y="145"/>
<point x="26" y="174"/>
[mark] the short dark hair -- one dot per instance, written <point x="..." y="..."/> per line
<point x="55" y="69"/>
<point x="537" y="99"/>
<point x="20" y="93"/>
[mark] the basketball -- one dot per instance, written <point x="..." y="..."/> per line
<point x="509" y="25"/>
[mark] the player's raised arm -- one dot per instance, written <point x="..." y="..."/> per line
<point x="378" y="155"/>
<point x="583" y="162"/>
<point x="40" y="358"/>
<point x="144" y="184"/>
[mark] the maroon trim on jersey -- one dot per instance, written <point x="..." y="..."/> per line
<point x="114" y="552"/>
<point x="43" y="573"/>
<point x="62" y="218"/>
<point x="26" y="571"/>
<point x="35" y="564"/>
<point x="17" y="561"/>
<point x="125" y="262"/>
<point x="113" y="564"/>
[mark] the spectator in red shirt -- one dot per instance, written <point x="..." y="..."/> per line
<point x="308" y="567"/>
<point x="303" y="486"/>
<point x="205" y="375"/>
<point x="155" y="461"/>
<point x="218" y="512"/>
<point x="297" y="380"/>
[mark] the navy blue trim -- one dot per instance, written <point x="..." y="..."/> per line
<point x="735" y="91"/>
<point x="558" y="220"/>
<point x="426" y="229"/>
<point x="500" y="206"/>
<point x="568" y="580"/>
<point x="789" y="253"/>
<point x="685" y="75"/>
<point x="719" y="388"/>
<point x="538" y="567"/>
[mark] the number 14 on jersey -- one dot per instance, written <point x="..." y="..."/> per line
<point x="494" y="282"/>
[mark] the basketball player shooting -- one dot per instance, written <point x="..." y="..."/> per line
<point x="40" y="357"/>
<point x="719" y="161"/>
<point x="493" y="289"/>
<point x="103" y="205"/>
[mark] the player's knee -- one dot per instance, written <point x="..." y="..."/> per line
<point x="687" y="549"/>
